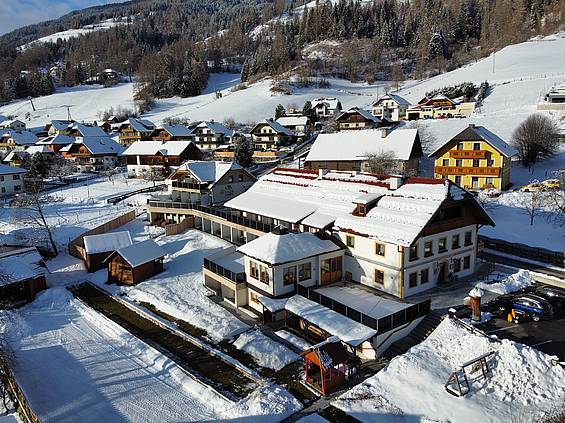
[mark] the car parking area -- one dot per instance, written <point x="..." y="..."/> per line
<point x="546" y="335"/>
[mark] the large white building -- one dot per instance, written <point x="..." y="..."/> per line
<point x="11" y="180"/>
<point x="392" y="107"/>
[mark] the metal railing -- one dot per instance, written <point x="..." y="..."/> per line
<point x="186" y="185"/>
<point x="521" y="250"/>
<point x="227" y="215"/>
<point x="381" y="325"/>
<point x="226" y="273"/>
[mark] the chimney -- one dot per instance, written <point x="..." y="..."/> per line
<point x="395" y="182"/>
<point x="471" y="125"/>
<point x="384" y="132"/>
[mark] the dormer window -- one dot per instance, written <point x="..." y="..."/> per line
<point x="361" y="209"/>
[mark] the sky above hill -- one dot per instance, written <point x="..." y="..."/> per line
<point x="17" y="13"/>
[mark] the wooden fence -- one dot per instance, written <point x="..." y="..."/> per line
<point x="21" y="403"/>
<point x="177" y="228"/>
<point x="76" y="246"/>
<point x="521" y="250"/>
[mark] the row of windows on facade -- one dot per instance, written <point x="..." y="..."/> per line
<point x="14" y="177"/>
<point x="380" y="249"/>
<point x="476" y="162"/>
<point x="424" y="273"/>
<point x="16" y="188"/>
<point x="261" y="272"/>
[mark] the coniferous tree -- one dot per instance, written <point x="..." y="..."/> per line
<point x="243" y="153"/>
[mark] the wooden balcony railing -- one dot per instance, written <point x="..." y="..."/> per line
<point x="468" y="154"/>
<point x="467" y="170"/>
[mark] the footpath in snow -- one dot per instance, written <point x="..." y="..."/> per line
<point x="524" y="384"/>
<point x="75" y="365"/>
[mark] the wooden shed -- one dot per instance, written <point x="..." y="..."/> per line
<point x="326" y="366"/>
<point x="22" y="276"/>
<point x="97" y="248"/>
<point x="133" y="264"/>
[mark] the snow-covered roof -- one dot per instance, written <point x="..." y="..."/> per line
<point x="356" y="145"/>
<point x="89" y="131"/>
<point x="318" y="220"/>
<point x="279" y="129"/>
<point x="230" y="259"/>
<point x="293" y="120"/>
<point x="10" y="170"/>
<point x="21" y="264"/>
<point x="207" y="171"/>
<point x="139" y="125"/>
<point x="394" y="97"/>
<point x="100" y="145"/>
<point x="151" y="148"/>
<point x="9" y="123"/>
<point x="473" y="132"/>
<point x="365" y="113"/>
<point x="20" y="138"/>
<point x="347" y="330"/>
<point x="177" y="130"/>
<point x="38" y="149"/>
<point x="141" y="252"/>
<point x="61" y="125"/>
<point x="273" y="304"/>
<point x="397" y="217"/>
<point x="59" y="139"/>
<point x="108" y="242"/>
<point x="330" y="103"/>
<point x="15" y="154"/>
<point x="287" y="247"/>
<point x="216" y="127"/>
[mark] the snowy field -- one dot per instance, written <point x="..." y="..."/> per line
<point x="522" y="387"/>
<point x="77" y="208"/>
<point x="97" y="371"/>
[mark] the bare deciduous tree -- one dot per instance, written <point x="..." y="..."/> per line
<point x="534" y="204"/>
<point x="536" y="138"/>
<point x="383" y="162"/>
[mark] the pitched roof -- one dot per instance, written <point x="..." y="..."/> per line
<point x="208" y="171"/>
<point x="21" y="264"/>
<point x="151" y="148"/>
<point x="216" y="127"/>
<point x="293" y="120"/>
<point x="358" y="144"/>
<point x="176" y="130"/>
<point x="365" y="113"/>
<point x="287" y="247"/>
<point x="330" y="103"/>
<point x="10" y="170"/>
<point x="20" y="138"/>
<point x="141" y="252"/>
<point x="473" y="132"/>
<point x="397" y="217"/>
<point x="394" y="97"/>
<point x="89" y="131"/>
<point x="38" y="149"/>
<point x="279" y="129"/>
<point x="8" y="123"/>
<point x="60" y="125"/>
<point x="139" y="125"/>
<point x="97" y="145"/>
<point x="15" y="154"/>
<point x="108" y="242"/>
<point x="59" y="139"/>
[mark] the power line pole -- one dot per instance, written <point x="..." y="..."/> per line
<point x="493" y="61"/>
<point x="32" y="105"/>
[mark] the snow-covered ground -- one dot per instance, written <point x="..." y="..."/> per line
<point x="97" y="371"/>
<point x="266" y="352"/>
<point x="522" y="387"/>
<point x="179" y="290"/>
<point x="77" y="208"/>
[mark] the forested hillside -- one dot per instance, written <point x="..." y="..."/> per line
<point x="172" y="45"/>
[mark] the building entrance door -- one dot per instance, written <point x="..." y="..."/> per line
<point x="330" y="270"/>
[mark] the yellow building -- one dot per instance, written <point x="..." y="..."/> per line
<point x="475" y="159"/>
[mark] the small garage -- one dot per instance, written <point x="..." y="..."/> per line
<point x="135" y="263"/>
<point x="22" y="275"/>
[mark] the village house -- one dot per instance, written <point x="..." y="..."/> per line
<point x="209" y="135"/>
<point x="56" y="142"/>
<point x="62" y="127"/>
<point x="300" y="125"/>
<point x="22" y="274"/>
<point x="392" y="107"/>
<point x="105" y="125"/>
<point x="356" y="118"/>
<point x="440" y="107"/>
<point x="11" y="180"/>
<point x="475" y="159"/>
<point x="14" y="140"/>
<point x="80" y="131"/>
<point x="15" y="124"/>
<point x="226" y="153"/>
<point x="135" y="263"/>
<point x="208" y="183"/>
<point x="158" y="159"/>
<point x="41" y="149"/>
<point x="357" y="150"/>
<point x="326" y="107"/>
<point x="135" y="129"/>
<point x="270" y="134"/>
<point x="97" y="248"/>
<point x="554" y="99"/>
<point x="94" y="154"/>
<point x="17" y="158"/>
<point x="172" y="133"/>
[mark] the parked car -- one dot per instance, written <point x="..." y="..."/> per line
<point x="550" y="184"/>
<point x="527" y="306"/>
<point x="533" y="187"/>
<point x="554" y="295"/>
